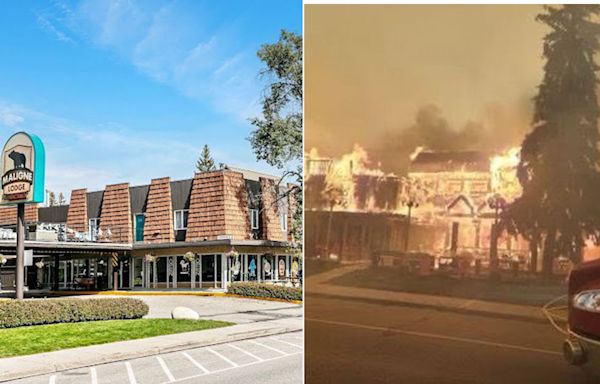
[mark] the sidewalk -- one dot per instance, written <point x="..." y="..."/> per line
<point x="317" y="286"/>
<point x="44" y="363"/>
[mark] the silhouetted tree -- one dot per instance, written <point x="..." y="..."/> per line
<point x="559" y="158"/>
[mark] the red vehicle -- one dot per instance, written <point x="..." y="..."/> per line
<point x="582" y="346"/>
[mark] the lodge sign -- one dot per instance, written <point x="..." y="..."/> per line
<point x="23" y="161"/>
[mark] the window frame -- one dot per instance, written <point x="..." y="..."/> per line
<point x="254" y="219"/>
<point x="283" y="221"/>
<point x="94" y="230"/>
<point x="135" y="226"/>
<point x="182" y="213"/>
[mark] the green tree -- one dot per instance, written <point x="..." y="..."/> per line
<point x="559" y="158"/>
<point x="277" y="137"/>
<point x="205" y="162"/>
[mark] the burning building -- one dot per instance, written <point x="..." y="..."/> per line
<point x="459" y="192"/>
<point x="354" y="209"/>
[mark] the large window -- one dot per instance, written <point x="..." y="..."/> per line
<point x="252" y="268"/>
<point x="139" y="226"/>
<point x="181" y="219"/>
<point x="254" y="218"/>
<point x="94" y="225"/>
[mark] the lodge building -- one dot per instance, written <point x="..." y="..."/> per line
<point x="219" y="227"/>
<point x="453" y="216"/>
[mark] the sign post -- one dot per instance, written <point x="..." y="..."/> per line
<point x="20" y="271"/>
<point x="23" y="168"/>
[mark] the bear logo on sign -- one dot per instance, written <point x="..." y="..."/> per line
<point x="18" y="159"/>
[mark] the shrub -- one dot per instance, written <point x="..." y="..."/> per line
<point x="17" y="313"/>
<point x="266" y="290"/>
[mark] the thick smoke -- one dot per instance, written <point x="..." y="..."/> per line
<point x="431" y="130"/>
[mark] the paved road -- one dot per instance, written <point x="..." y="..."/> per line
<point x="355" y="342"/>
<point x="276" y="359"/>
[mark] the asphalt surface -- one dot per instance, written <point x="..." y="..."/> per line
<point x="354" y="342"/>
<point x="275" y="359"/>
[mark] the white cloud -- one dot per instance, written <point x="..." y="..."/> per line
<point x="94" y="155"/>
<point x="10" y="116"/>
<point x="47" y="25"/>
<point x="171" y="45"/>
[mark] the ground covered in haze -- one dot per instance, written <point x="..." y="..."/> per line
<point x="533" y="292"/>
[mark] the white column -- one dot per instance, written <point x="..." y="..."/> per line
<point x="169" y="268"/>
<point x="110" y="273"/>
<point x="174" y="271"/>
<point x="215" y="271"/>
<point x="225" y="271"/>
<point x="200" y="272"/>
<point x="154" y="274"/>
<point x="193" y="274"/>
<point x="144" y="274"/>
<point x="131" y="271"/>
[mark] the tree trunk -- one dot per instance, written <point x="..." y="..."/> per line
<point x="328" y="232"/>
<point x="533" y="248"/>
<point x="549" y="254"/>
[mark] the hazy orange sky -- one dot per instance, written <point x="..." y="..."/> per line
<point x="370" y="68"/>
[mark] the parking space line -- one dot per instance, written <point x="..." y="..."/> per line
<point x="246" y="352"/>
<point x="52" y="379"/>
<point x="268" y="347"/>
<point x="165" y="368"/>
<point x="197" y="364"/>
<point x="222" y="357"/>
<point x="94" y="375"/>
<point x="130" y="373"/>
<point x="232" y="368"/>
<point x="288" y="343"/>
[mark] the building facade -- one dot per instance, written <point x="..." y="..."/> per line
<point x="457" y="187"/>
<point x="219" y="227"/>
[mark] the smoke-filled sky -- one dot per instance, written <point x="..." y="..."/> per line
<point x="391" y="77"/>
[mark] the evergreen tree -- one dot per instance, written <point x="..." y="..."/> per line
<point x="205" y="162"/>
<point x="559" y="158"/>
<point x="277" y="138"/>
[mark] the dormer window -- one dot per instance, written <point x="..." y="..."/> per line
<point x="283" y="222"/>
<point x="181" y="219"/>
<point x="254" y="222"/>
<point x="94" y="226"/>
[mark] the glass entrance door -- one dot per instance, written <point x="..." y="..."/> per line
<point x="211" y="271"/>
<point x="208" y="271"/>
<point x="124" y="274"/>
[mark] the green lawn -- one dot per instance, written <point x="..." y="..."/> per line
<point x="52" y="337"/>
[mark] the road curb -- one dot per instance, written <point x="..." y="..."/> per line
<point x="464" y="310"/>
<point x="137" y="293"/>
<point x="41" y="364"/>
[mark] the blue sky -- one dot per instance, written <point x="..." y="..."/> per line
<point x="132" y="90"/>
